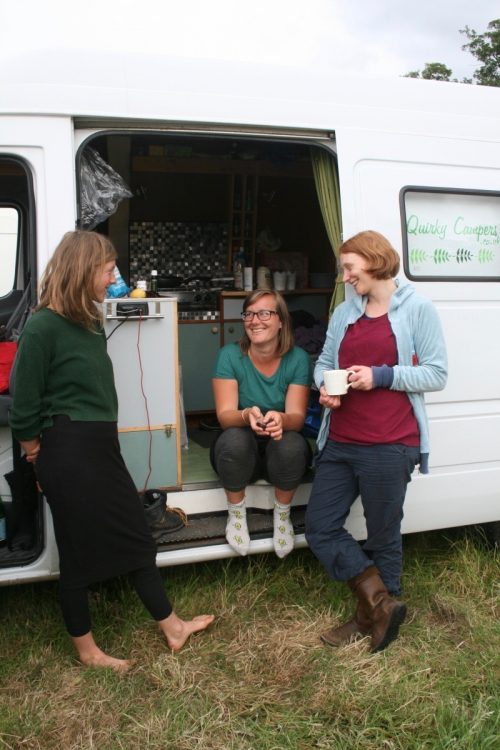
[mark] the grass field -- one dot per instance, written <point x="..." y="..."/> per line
<point x="260" y="679"/>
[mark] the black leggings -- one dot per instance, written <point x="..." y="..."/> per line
<point x="146" y="581"/>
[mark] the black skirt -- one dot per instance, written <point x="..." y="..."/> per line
<point x="99" y="522"/>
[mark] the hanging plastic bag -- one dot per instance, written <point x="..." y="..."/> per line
<point x="101" y="189"/>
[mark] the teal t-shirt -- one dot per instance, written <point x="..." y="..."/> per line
<point x="255" y="389"/>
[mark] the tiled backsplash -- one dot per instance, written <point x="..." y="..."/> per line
<point x="177" y="248"/>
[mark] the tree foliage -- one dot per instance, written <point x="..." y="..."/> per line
<point x="433" y="71"/>
<point x="484" y="47"/>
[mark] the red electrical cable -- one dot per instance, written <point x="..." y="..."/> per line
<point x="145" y="404"/>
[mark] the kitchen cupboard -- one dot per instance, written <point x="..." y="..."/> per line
<point x="231" y="332"/>
<point x="198" y="347"/>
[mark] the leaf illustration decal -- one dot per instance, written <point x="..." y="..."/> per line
<point x="441" y="255"/>
<point x="463" y="255"/>
<point x="485" y="255"/>
<point x="417" y="256"/>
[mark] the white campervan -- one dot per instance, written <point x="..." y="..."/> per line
<point x="183" y="162"/>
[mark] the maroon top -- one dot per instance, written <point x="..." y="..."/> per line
<point x="379" y="416"/>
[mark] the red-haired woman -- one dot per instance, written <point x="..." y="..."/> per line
<point x="371" y="439"/>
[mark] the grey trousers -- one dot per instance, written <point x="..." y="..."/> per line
<point x="240" y="457"/>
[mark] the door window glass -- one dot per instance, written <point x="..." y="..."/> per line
<point x="9" y="238"/>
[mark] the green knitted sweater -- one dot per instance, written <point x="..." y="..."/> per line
<point x="61" y="368"/>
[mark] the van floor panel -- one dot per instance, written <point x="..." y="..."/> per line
<point x="210" y="529"/>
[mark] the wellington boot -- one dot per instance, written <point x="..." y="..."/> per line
<point x="386" y="614"/>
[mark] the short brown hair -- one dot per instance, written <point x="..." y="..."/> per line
<point x="68" y="282"/>
<point x="286" y="339"/>
<point x="383" y="261"/>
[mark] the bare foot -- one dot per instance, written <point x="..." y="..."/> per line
<point x="103" y="660"/>
<point x="91" y="655"/>
<point x="177" y="631"/>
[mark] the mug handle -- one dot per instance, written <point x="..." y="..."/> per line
<point x="350" y="372"/>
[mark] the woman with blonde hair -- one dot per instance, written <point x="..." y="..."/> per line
<point x="261" y="389"/>
<point x="65" y="417"/>
<point x="370" y="440"/>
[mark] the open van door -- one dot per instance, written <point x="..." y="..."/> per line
<point x="36" y="178"/>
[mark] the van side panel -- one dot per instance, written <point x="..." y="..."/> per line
<point x="462" y="487"/>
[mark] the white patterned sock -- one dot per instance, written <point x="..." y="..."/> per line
<point x="236" y="527"/>
<point x="283" y="537"/>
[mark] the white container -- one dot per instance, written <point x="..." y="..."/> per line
<point x="290" y="280"/>
<point x="264" y="278"/>
<point x="248" y="278"/>
<point x="280" y="281"/>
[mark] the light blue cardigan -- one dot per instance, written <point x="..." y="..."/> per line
<point x="422" y="363"/>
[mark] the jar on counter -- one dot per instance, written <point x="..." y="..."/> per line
<point x="264" y="280"/>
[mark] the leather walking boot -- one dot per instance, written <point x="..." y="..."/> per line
<point x="160" y="518"/>
<point x="386" y="614"/>
<point x="358" y="626"/>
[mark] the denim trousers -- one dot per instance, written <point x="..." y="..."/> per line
<point x="380" y="474"/>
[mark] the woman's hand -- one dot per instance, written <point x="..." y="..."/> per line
<point x="271" y="425"/>
<point x="362" y="380"/>
<point x="331" y="402"/>
<point x="31" y="449"/>
<point x="253" y="417"/>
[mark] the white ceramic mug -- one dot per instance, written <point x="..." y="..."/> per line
<point x="336" y="381"/>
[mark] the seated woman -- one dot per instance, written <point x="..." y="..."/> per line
<point x="261" y="390"/>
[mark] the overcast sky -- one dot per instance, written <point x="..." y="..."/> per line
<point x="370" y="37"/>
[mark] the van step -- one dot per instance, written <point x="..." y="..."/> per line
<point x="207" y="529"/>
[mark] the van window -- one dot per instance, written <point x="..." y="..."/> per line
<point x="17" y="242"/>
<point x="9" y="237"/>
<point x="450" y="234"/>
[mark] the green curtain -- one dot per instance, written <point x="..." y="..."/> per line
<point x="327" y="188"/>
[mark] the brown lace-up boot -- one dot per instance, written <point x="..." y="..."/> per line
<point x="386" y="614"/>
<point x="360" y="623"/>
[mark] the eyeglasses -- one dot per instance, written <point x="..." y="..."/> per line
<point x="261" y="314"/>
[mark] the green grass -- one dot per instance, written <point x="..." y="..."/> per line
<point x="260" y="679"/>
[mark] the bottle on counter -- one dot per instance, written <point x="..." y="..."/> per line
<point x="153" y="284"/>
<point x="3" y="525"/>
<point x="248" y="278"/>
<point x="238" y="266"/>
